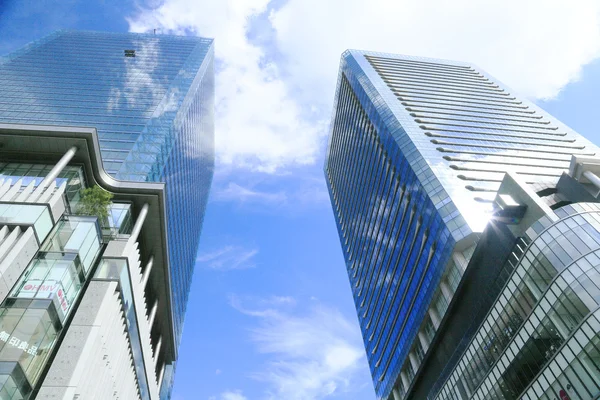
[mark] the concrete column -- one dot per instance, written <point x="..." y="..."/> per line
<point x="397" y="395"/>
<point x="5" y="186"/>
<point x="434" y="318"/>
<point x="446" y="292"/>
<point x="160" y="376"/>
<point x="147" y="271"/>
<point x="12" y="191"/>
<point x="62" y="163"/>
<point x="152" y="315"/>
<point x="424" y="341"/>
<point x="413" y="361"/>
<point x="137" y="228"/>
<point x="593" y="178"/>
<point x="404" y="379"/>
<point x="157" y="348"/>
<point x="460" y="260"/>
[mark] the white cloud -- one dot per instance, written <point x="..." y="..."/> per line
<point x="228" y="258"/>
<point x="237" y="193"/>
<point x="313" y="354"/>
<point x="294" y="193"/>
<point x="535" y="46"/>
<point x="233" y="395"/>
<point x="272" y="110"/>
<point x="258" y="123"/>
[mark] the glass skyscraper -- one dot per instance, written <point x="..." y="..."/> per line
<point x="417" y="152"/>
<point x="151" y="99"/>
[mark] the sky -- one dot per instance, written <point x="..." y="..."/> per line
<point x="271" y="313"/>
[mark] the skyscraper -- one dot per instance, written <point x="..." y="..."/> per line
<point x="150" y="98"/>
<point x="417" y="152"/>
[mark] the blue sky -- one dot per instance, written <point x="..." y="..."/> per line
<point x="271" y="314"/>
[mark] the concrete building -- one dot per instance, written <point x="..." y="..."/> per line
<point x="150" y="98"/>
<point x="418" y="151"/>
<point x="75" y="317"/>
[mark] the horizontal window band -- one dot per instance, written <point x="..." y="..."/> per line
<point x="429" y="80"/>
<point x="415" y="62"/>
<point x="396" y="82"/>
<point x="485" y="120"/>
<point x="454" y="95"/>
<point x="441" y="69"/>
<point x="531" y="169"/>
<point x="446" y="100"/>
<point x="564" y="167"/>
<point x="503" y="127"/>
<point x="416" y="73"/>
<point x="534" y="150"/>
<point x="521" y="112"/>
<point x="493" y="134"/>
<point x="476" y="112"/>
<point x="435" y="141"/>
<point x="485" y="130"/>
<point x="437" y="89"/>
<point x="448" y="76"/>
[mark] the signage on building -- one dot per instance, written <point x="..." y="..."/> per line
<point x="46" y="290"/>
<point x="18" y="343"/>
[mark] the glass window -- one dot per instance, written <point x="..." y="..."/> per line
<point x="429" y="329"/>
<point x="76" y="234"/>
<point x="418" y="351"/>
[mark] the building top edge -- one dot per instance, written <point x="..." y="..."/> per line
<point x="139" y="34"/>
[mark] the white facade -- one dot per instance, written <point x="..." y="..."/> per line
<point x="81" y="282"/>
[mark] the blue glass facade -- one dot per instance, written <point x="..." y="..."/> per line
<point x="417" y="151"/>
<point x="151" y="99"/>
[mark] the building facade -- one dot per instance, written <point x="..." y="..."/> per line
<point x="151" y="99"/>
<point x="540" y="338"/>
<point x="80" y="309"/>
<point x="417" y="152"/>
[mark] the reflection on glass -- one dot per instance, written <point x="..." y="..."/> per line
<point x="27" y="334"/>
<point x="59" y="280"/>
<point x="27" y="214"/>
<point x="76" y="234"/>
<point x="32" y="316"/>
<point x="119" y="220"/>
<point x="72" y="175"/>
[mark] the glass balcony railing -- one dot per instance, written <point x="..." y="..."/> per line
<point x="120" y="221"/>
<point x="78" y="235"/>
<point x="27" y="214"/>
<point x="32" y="316"/>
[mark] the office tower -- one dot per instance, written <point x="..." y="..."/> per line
<point x="418" y="150"/>
<point x="150" y="99"/>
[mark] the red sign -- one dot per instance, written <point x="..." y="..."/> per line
<point x="46" y="290"/>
